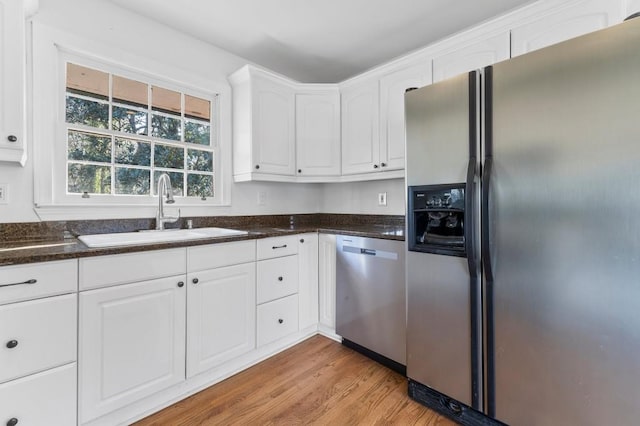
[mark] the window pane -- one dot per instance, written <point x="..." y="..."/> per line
<point x="197" y="108"/>
<point x="195" y="132"/>
<point x="168" y="157"/>
<point x="87" y="81"/>
<point x="199" y="185"/>
<point x="129" y="120"/>
<point x="177" y="183"/>
<point x="132" y="181"/>
<point x="130" y="92"/>
<point x="199" y="160"/>
<point x="89" y="178"/>
<point x="165" y="127"/>
<point x="165" y="100"/>
<point x="88" y="147"/>
<point x="129" y="151"/>
<point x="89" y="113"/>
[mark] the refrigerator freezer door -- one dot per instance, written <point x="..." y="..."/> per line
<point x="565" y="232"/>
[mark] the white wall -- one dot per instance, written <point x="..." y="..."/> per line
<point x="111" y="26"/>
<point x="362" y="197"/>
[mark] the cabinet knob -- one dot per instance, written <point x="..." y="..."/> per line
<point x="302" y="240"/>
<point x="195" y="281"/>
<point x="383" y="164"/>
<point x="12" y="344"/>
<point x="280" y="278"/>
<point x="180" y="283"/>
<point x="12" y="422"/>
<point x="280" y="321"/>
<point x="299" y="170"/>
<point x="375" y="166"/>
<point x="257" y="166"/>
<point x="12" y="138"/>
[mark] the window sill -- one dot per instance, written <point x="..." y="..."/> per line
<point x="118" y="211"/>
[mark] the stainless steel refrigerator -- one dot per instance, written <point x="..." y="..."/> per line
<point x="537" y="320"/>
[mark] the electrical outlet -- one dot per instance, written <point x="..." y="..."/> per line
<point x="382" y="198"/>
<point x="4" y="193"/>
<point x="262" y="198"/>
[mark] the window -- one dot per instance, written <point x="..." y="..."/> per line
<point x="123" y="132"/>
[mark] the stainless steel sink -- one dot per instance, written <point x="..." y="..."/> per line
<point x="151" y="237"/>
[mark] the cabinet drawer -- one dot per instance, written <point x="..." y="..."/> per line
<point x="47" y="398"/>
<point x="42" y="334"/>
<point x="277" y="319"/>
<point x="278" y="246"/>
<point x="277" y="278"/>
<point x="217" y="255"/>
<point x="37" y="280"/>
<point x="106" y="271"/>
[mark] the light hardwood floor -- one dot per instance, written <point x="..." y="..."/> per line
<point x="318" y="381"/>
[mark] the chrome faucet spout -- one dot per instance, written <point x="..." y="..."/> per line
<point x="165" y="190"/>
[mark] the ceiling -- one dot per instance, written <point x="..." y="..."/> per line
<point x="319" y="41"/>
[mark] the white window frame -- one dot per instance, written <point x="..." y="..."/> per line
<point x="51" y="50"/>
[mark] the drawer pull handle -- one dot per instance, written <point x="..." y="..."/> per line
<point x="302" y="240"/>
<point x="12" y="344"/>
<point x="277" y="247"/>
<point x="280" y="321"/>
<point x="12" y="422"/>
<point x="280" y="278"/>
<point x="195" y="281"/>
<point x="31" y="281"/>
<point x="180" y="283"/>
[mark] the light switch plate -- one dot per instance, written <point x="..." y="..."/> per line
<point x="262" y="198"/>
<point x="4" y="193"/>
<point x="382" y="198"/>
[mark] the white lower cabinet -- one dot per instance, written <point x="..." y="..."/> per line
<point x="307" y="280"/>
<point x="277" y="278"/>
<point x="277" y="319"/>
<point x="47" y="398"/>
<point x="131" y="343"/>
<point x="221" y="322"/>
<point x="327" y="280"/>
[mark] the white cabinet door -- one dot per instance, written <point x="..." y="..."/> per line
<point x="392" y="89"/>
<point x="360" y="128"/>
<point x="471" y="57"/>
<point x="132" y="343"/>
<point x="273" y="126"/>
<point x="47" y="398"/>
<point x="566" y="23"/>
<point x="308" y="280"/>
<point x="318" y="134"/>
<point x="221" y="318"/>
<point x="327" y="280"/>
<point x="12" y="89"/>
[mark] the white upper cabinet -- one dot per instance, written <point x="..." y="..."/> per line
<point x="318" y="133"/>
<point x="360" y="128"/>
<point x="561" y="24"/>
<point x="472" y="56"/>
<point x="392" y="89"/>
<point x="12" y="89"/>
<point x="264" y="124"/>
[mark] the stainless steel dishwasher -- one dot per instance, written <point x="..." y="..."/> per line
<point x="370" y="298"/>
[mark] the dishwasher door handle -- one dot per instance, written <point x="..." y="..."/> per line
<point x="371" y="252"/>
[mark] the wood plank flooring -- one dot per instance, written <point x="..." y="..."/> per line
<point x="318" y="381"/>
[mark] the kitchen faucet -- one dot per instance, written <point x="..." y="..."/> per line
<point x="164" y="189"/>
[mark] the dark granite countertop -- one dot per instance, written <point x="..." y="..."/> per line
<point x="30" y="243"/>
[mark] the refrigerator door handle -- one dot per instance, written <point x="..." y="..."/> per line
<point x="469" y="224"/>
<point x="486" y="224"/>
